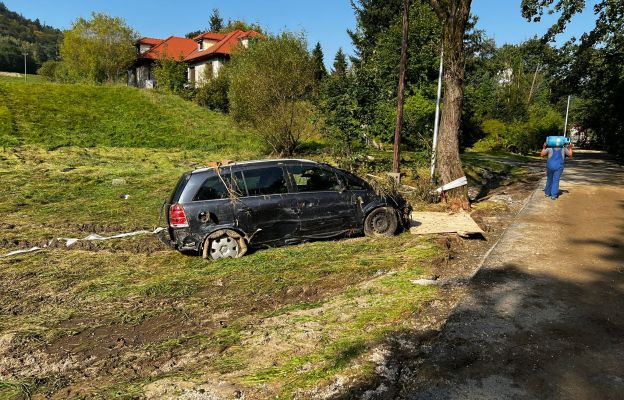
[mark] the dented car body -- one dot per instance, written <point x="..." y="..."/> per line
<point x="222" y="211"/>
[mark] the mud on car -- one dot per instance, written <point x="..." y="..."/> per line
<point x="223" y="211"/>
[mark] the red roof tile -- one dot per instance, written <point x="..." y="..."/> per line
<point x="210" y="36"/>
<point x="149" y="40"/>
<point x="173" y="47"/>
<point x="224" y="47"/>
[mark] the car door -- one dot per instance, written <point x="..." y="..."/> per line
<point x="326" y="208"/>
<point x="267" y="214"/>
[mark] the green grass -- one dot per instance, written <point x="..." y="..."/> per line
<point x="69" y="191"/>
<point x="56" y="115"/>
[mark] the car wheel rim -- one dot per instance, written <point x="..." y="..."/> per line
<point x="224" y="247"/>
<point x="380" y="223"/>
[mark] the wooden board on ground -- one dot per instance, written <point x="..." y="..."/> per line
<point x="424" y="223"/>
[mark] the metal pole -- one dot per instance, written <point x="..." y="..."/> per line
<point x="436" y="123"/>
<point x="401" y="91"/>
<point x="25" y="54"/>
<point x="565" y="127"/>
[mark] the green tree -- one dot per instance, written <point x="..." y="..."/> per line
<point x="99" y="49"/>
<point x="375" y="83"/>
<point x="270" y="86"/>
<point x="593" y="68"/>
<point x="339" y="109"/>
<point x="193" y="34"/>
<point x="320" y="71"/>
<point x="213" y="91"/>
<point x="373" y="17"/>
<point x="340" y="63"/>
<point x="233" y="25"/>
<point x="170" y="74"/>
<point x="216" y="22"/>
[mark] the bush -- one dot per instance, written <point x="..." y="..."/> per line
<point x="171" y="75"/>
<point x="270" y="83"/>
<point x="494" y="131"/>
<point x="49" y="69"/>
<point x="214" y="93"/>
<point x="521" y="136"/>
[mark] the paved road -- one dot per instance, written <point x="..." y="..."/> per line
<point x="544" y="318"/>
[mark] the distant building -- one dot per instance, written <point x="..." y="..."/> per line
<point x="149" y="51"/>
<point x="204" y="55"/>
<point x="212" y="51"/>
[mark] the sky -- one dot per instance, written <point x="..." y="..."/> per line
<point x="325" y="21"/>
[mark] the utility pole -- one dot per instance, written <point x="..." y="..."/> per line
<point x="565" y="127"/>
<point x="533" y="84"/>
<point x="401" y="91"/>
<point x="436" y="123"/>
<point x="25" y="54"/>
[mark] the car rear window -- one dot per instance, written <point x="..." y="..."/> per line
<point x="314" y="179"/>
<point x="265" y="181"/>
<point x="175" y="195"/>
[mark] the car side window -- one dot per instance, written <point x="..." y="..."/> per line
<point x="353" y="182"/>
<point x="212" y="189"/>
<point x="314" y="179"/>
<point x="265" y="181"/>
<point x="238" y="184"/>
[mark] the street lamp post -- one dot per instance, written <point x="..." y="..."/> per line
<point x="25" y="54"/>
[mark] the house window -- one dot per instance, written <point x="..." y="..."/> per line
<point x="192" y="74"/>
<point x="201" y="45"/>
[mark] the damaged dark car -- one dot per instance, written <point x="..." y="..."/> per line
<point x="224" y="211"/>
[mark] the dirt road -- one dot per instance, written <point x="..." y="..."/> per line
<point x="544" y="317"/>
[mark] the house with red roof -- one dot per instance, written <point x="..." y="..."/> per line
<point x="212" y="51"/>
<point x="204" y="55"/>
<point x="149" y="51"/>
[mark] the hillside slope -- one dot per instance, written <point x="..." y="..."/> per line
<point x="16" y="33"/>
<point x="57" y="115"/>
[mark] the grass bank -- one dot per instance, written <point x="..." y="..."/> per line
<point x="56" y="115"/>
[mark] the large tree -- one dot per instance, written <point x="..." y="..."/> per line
<point x="340" y="63"/>
<point x="99" y="49"/>
<point x="320" y="71"/>
<point x="216" y="22"/>
<point x="454" y="15"/>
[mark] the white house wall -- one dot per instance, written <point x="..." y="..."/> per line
<point x="200" y="69"/>
<point x="216" y="66"/>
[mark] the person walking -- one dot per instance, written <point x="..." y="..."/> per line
<point x="554" y="168"/>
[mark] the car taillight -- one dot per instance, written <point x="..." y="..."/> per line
<point x="177" y="218"/>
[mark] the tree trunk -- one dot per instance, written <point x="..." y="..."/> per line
<point x="396" y="159"/>
<point x="454" y="16"/>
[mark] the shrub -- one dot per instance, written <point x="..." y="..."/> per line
<point x="48" y="70"/>
<point x="170" y="75"/>
<point x="214" y="92"/>
<point x="270" y="83"/>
